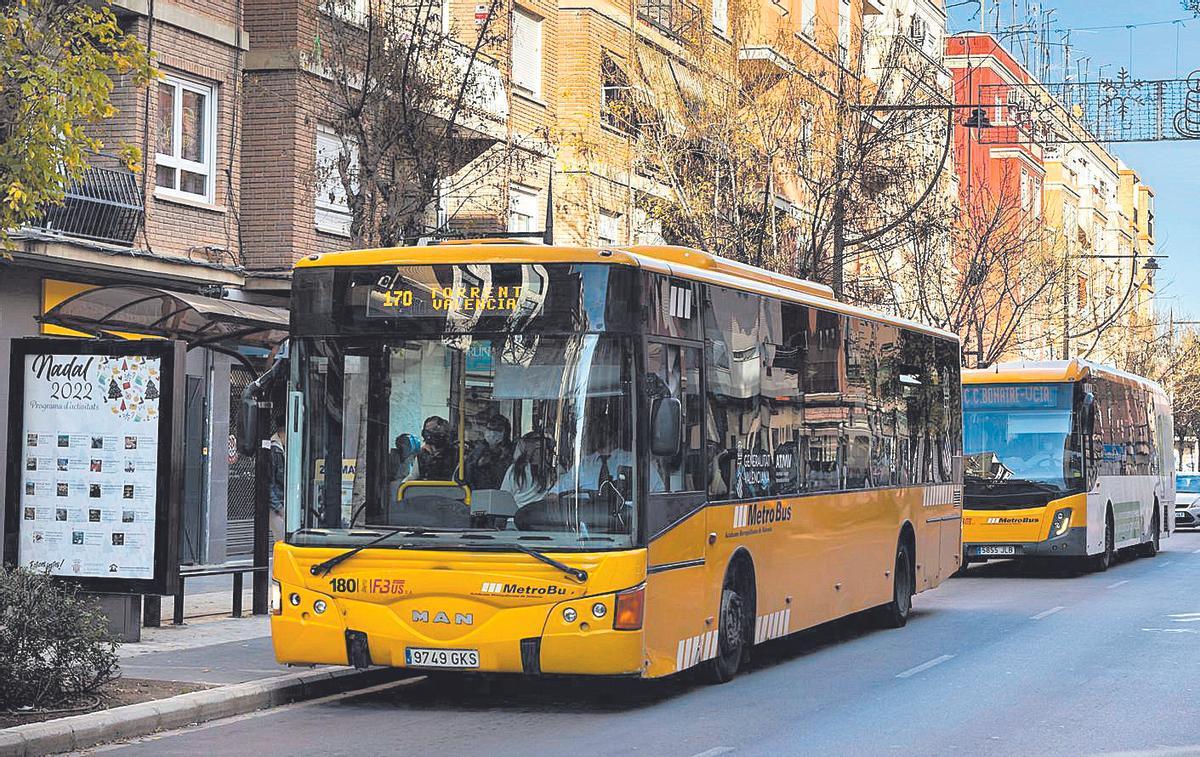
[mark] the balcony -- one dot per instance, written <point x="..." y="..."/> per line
<point x="105" y="205"/>
<point x="678" y="19"/>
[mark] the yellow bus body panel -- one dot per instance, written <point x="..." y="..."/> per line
<point x="1027" y="525"/>
<point x="815" y="559"/>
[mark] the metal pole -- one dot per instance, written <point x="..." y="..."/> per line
<point x="262" y="509"/>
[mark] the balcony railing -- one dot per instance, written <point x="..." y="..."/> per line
<point x="104" y="205"/>
<point x="678" y="19"/>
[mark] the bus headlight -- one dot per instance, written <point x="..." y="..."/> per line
<point x="1062" y="521"/>
<point x="275" y="600"/>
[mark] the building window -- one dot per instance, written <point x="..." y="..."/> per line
<point x="186" y="139"/>
<point x="646" y="228"/>
<point x="522" y="208"/>
<point x="918" y="31"/>
<point x="354" y="11"/>
<point x="334" y="155"/>
<point x="616" y="101"/>
<point x="609" y="229"/>
<point x="1081" y="295"/>
<point x="844" y="31"/>
<point x="720" y="17"/>
<point x="808" y="18"/>
<point x="527" y="53"/>
<point x="1025" y="192"/>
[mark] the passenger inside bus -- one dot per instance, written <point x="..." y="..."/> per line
<point x="531" y="473"/>
<point x="436" y="459"/>
<point x="402" y="458"/>
<point x="491" y="457"/>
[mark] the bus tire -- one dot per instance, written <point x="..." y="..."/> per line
<point x="1100" y="562"/>
<point x="1150" y="548"/>
<point x="735" y="620"/>
<point x="904" y="585"/>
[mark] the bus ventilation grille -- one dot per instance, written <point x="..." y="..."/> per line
<point x="531" y="655"/>
<point x="358" y="653"/>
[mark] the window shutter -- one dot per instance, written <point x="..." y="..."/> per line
<point x="527" y="53"/>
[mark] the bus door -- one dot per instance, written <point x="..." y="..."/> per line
<point x="675" y="496"/>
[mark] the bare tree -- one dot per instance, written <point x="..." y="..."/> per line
<point x="794" y="161"/>
<point x="1171" y="356"/>
<point x="998" y="284"/>
<point x="415" y="109"/>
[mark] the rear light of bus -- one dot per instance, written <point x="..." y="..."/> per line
<point x="631" y="607"/>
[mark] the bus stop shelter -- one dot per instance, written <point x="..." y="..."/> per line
<point x="225" y="326"/>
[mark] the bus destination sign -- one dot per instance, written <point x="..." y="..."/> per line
<point x="1012" y="396"/>
<point x="398" y="296"/>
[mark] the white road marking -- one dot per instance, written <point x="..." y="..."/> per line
<point x="1118" y="583"/>
<point x="925" y="666"/>
<point x="714" y="751"/>
<point x="1046" y="613"/>
<point x="1173" y="630"/>
<point x="1157" y="752"/>
<point x="1164" y="563"/>
<point x="1185" y="617"/>
<point x="1196" y="551"/>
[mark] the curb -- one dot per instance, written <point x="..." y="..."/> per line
<point x="133" y="720"/>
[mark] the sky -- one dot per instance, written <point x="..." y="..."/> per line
<point x="1158" y="52"/>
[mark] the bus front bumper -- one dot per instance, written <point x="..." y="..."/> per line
<point x="1071" y="544"/>
<point x="592" y="651"/>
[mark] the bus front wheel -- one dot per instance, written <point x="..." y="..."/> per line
<point x="735" y="622"/>
<point x="904" y="584"/>
<point x="1106" y="558"/>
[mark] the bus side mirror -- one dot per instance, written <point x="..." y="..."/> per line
<point x="248" y="440"/>
<point x="1089" y="413"/>
<point x="666" y="427"/>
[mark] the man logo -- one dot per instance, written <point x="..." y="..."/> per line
<point x="460" y="618"/>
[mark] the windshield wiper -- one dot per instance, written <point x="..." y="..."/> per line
<point x="326" y="566"/>
<point x="578" y="574"/>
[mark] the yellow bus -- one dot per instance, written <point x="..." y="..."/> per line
<point x="1065" y="459"/>
<point x="621" y="461"/>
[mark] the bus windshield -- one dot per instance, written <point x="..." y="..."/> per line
<point x="495" y="438"/>
<point x="1022" y="432"/>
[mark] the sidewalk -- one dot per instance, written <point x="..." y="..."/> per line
<point x="232" y="657"/>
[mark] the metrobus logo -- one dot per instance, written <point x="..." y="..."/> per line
<point x="753" y="515"/>
<point x="497" y="587"/>
<point x="1003" y="521"/>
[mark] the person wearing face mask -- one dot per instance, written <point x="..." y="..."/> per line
<point x="490" y="458"/>
<point x="436" y="459"/>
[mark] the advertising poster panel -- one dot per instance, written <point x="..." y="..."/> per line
<point x="94" y="428"/>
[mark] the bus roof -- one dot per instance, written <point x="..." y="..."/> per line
<point x="1038" y="371"/>
<point x="682" y="262"/>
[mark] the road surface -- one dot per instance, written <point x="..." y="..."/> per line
<point x="1002" y="662"/>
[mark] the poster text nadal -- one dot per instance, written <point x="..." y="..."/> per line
<point x="89" y="484"/>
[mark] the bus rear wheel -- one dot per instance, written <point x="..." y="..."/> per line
<point x="1150" y="548"/>
<point x="904" y="584"/>
<point x="732" y="630"/>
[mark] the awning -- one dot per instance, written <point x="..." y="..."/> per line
<point x="197" y="320"/>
